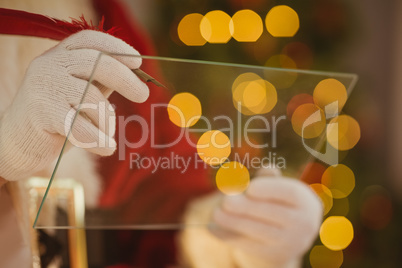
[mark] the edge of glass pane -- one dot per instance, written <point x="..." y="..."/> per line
<point x="352" y="76"/>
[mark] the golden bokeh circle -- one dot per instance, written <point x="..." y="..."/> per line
<point x="330" y="95"/>
<point x="343" y="132"/>
<point x="189" y="30"/>
<point x="246" y="26"/>
<point x="213" y="147"/>
<point x="232" y="178"/>
<point x="244" y="77"/>
<point x="253" y="95"/>
<point x="336" y="232"/>
<point x="215" y="27"/>
<point x="308" y="121"/>
<point x="339" y="179"/>
<point x="282" y="21"/>
<point x="184" y="109"/>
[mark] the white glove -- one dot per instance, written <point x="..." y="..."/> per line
<point x="272" y="225"/>
<point x="33" y="129"/>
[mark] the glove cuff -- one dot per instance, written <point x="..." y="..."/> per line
<point x="15" y="163"/>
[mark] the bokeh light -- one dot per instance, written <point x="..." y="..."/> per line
<point x="339" y="179"/>
<point x="325" y="195"/>
<point x="189" y="30"/>
<point x="232" y="178"/>
<point x="246" y="26"/>
<point x="327" y="92"/>
<point x="336" y="232"/>
<point x="184" y="109"/>
<point x="215" y="27"/>
<point x="282" y="21"/>
<point x="322" y="257"/>
<point x="253" y="95"/>
<point x="296" y="101"/>
<point x="283" y="79"/>
<point x="244" y="77"/>
<point x="308" y="121"/>
<point x="213" y="147"/>
<point x="343" y="132"/>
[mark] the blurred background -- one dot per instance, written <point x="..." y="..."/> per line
<point x="360" y="36"/>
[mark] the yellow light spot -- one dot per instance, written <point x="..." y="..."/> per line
<point x="325" y="195"/>
<point x="247" y="26"/>
<point x="215" y="28"/>
<point x="339" y="179"/>
<point x="322" y="257"/>
<point x="189" y="30"/>
<point x="244" y="77"/>
<point x="330" y="95"/>
<point x="308" y="121"/>
<point x="343" y="132"/>
<point x="232" y="178"/>
<point x="253" y="95"/>
<point x="213" y="147"/>
<point x="283" y="79"/>
<point x="282" y="21"/>
<point x="336" y="233"/>
<point x="184" y="109"/>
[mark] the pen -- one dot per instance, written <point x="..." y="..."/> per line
<point x="147" y="78"/>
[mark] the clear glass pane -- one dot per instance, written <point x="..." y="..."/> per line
<point x="248" y="117"/>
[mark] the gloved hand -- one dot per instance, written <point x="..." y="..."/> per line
<point x="272" y="225"/>
<point x="33" y="129"/>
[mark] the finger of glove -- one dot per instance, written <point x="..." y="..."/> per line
<point x="286" y="191"/>
<point x="249" y="246"/>
<point x="95" y="106"/>
<point x="256" y="230"/>
<point x="109" y="72"/>
<point x="86" y="135"/>
<point x="105" y="90"/>
<point x="269" y="172"/>
<point x="264" y="211"/>
<point x="95" y="40"/>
